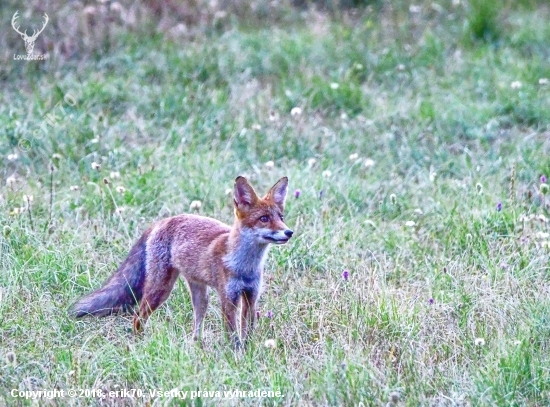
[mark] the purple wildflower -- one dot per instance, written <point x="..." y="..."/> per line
<point x="543" y="179"/>
<point x="345" y="275"/>
<point x="321" y="194"/>
<point x="431" y="301"/>
<point x="499" y="206"/>
<point x="269" y="314"/>
<point x="297" y="193"/>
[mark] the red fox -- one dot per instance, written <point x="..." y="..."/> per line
<point x="205" y="252"/>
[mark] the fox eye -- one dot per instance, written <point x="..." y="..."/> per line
<point x="264" y="218"/>
<point x="282" y="217"/>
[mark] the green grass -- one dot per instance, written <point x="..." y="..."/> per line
<point x="447" y="301"/>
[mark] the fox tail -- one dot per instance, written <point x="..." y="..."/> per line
<point x="121" y="292"/>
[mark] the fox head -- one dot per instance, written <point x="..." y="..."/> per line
<point x="262" y="216"/>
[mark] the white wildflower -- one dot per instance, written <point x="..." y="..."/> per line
<point x="369" y="162"/>
<point x="296" y="111"/>
<point x="195" y="205"/>
<point x="270" y="343"/>
<point x="11" y="180"/>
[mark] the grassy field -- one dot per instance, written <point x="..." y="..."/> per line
<point x="416" y="139"/>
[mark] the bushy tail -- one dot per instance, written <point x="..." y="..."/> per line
<point x="121" y="292"/>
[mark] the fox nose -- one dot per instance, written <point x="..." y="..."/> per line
<point x="289" y="232"/>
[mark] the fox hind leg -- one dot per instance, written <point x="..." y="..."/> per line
<point x="157" y="289"/>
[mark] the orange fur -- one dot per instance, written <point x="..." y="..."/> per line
<point x="206" y="253"/>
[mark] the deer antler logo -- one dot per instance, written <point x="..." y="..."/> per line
<point x="29" y="40"/>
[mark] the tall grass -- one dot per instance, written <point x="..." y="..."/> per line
<point x="418" y="272"/>
<point x="484" y="19"/>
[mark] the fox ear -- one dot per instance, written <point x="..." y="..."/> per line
<point x="244" y="194"/>
<point x="278" y="192"/>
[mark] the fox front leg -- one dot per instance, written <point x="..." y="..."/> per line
<point x="248" y="314"/>
<point x="229" y="310"/>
